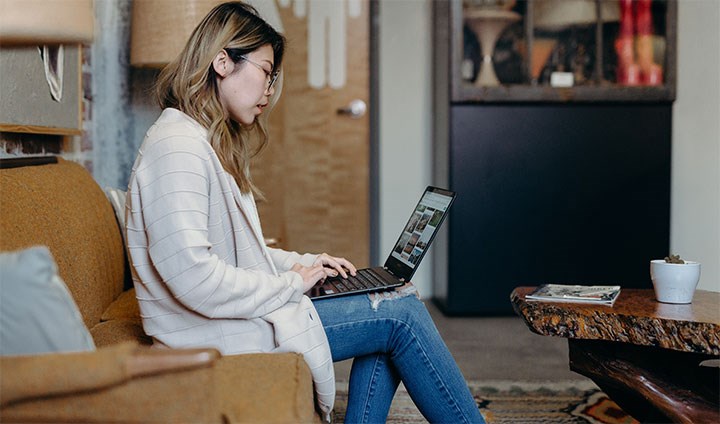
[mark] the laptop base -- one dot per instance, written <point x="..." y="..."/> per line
<point x="366" y="280"/>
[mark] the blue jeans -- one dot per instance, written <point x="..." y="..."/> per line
<point x="397" y="342"/>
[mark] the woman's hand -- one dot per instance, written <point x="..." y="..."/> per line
<point x="323" y="267"/>
<point x="335" y="265"/>
<point x="311" y="275"/>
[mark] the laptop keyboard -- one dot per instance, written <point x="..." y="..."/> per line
<point x="365" y="279"/>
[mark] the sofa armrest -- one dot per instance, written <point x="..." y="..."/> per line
<point x="26" y="377"/>
<point x="131" y="384"/>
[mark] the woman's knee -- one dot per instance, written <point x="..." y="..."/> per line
<point x="407" y="309"/>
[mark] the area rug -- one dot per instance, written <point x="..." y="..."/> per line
<point x="517" y="402"/>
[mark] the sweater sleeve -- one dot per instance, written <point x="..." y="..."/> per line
<point x="174" y="183"/>
<point x="284" y="260"/>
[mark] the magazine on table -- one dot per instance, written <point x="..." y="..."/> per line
<point x="604" y="295"/>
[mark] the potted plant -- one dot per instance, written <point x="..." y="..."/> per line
<point x="674" y="279"/>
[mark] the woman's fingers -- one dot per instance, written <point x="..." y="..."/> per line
<point x="310" y="275"/>
<point x="348" y="265"/>
<point x="339" y="264"/>
<point x="326" y="260"/>
<point x="316" y="273"/>
<point x="324" y="266"/>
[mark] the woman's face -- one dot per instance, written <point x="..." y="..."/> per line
<point x="243" y="86"/>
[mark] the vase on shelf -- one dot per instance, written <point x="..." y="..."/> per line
<point x="488" y="24"/>
<point x="541" y="50"/>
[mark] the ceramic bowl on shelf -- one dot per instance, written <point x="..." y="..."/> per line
<point x="673" y="282"/>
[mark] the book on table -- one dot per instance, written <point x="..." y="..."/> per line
<point x="603" y="295"/>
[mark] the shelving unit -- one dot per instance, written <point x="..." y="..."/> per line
<point x="449" y="26"/>
<point x="564" y="185"/>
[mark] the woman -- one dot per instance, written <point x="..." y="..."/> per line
<point x="203" y="275"/>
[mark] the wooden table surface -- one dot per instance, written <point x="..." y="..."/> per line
<point x="636" y="317"/>
<point x="644" y="354"/>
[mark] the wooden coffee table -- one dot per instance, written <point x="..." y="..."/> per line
<point x="644" y="354"/>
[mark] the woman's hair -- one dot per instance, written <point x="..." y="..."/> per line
<point x="189" y="83"/>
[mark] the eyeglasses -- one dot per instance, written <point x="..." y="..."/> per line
<point x="272" y="76"/>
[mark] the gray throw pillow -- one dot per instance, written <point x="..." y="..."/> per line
<point x="37" y="312"/>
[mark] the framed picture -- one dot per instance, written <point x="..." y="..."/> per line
<point x="41" y="89"/>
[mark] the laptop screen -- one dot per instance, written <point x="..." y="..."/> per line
<point x="419" y="231"/>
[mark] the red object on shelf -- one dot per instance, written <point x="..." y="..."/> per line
<point x="650" y="72"/>
<point x="643" y="18"/>
<point x="652" y="76"/>
<point x="635" y="38"/>
<point x="626" y="19"/>
<point x="628" y="72"/>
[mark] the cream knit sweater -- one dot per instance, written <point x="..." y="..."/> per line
<point x="201" y="270"/>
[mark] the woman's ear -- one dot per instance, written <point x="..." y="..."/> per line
<point x="222" y="64"/>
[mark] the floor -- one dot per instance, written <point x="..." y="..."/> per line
<point x="497" y="348"/>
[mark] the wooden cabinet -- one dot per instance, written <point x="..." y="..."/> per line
<point x="563" y="185"/>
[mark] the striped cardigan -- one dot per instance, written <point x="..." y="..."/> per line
<point x="201" y="270"/>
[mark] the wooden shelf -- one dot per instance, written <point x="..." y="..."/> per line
<point x="449" y="23"/>
<point x="544" y="93"/>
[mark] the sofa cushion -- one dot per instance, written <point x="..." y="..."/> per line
<point x="37" y="313"/>
<point x="266" y="388"/>
<point x="121" y="322"/>
<point x="116" y="331"/>
<point x="125" y="307"/>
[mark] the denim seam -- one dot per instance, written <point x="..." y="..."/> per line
<point x="371" y="391"/>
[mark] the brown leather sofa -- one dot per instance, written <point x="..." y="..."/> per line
<point x="60" y="206"/>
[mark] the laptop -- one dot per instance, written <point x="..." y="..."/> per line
<point x="400" y="265"/>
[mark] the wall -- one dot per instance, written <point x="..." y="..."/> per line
<point x="113" y="144"/>
<point x="405" y="123"/>
<point x="695" y="212"/>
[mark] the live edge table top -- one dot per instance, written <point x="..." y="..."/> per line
<point x="636" y="317"/>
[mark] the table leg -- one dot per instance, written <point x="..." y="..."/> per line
<point x="650" y="383"/>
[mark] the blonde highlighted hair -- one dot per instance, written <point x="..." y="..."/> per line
<point x="189" y="83"/>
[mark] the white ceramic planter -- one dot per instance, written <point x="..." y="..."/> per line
<point x="674" y="283"/>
